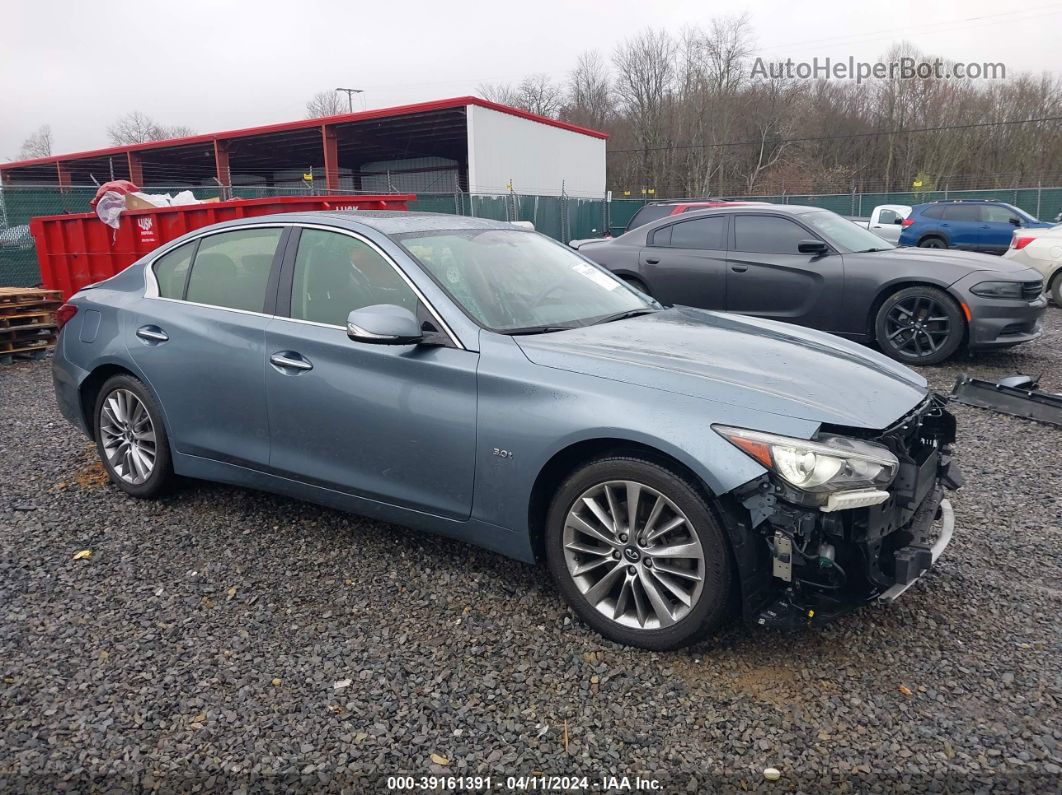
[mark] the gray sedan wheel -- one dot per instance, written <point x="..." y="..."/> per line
<point x="919" y="325"/>
<point x="130" y="437"/>
<point x="638" y="554"/>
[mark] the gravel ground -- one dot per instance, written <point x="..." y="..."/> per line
<point x="222" y="638"/>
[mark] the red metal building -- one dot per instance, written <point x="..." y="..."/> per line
<point x="465" y="144"/>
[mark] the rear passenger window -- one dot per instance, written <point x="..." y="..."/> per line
<point x="171" y="270"/>
<point x="232" y="268"/>
<point x="963" y="212"/>
<point x="704" y="233"/>
<point x="934" y="212"/>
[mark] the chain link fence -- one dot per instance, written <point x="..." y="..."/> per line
<point x="562" y="217"/>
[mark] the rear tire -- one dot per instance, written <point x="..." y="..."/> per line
<point x="131" y="439"/>
<point x="1055" y="288"/>
<point x="638" y="583"/>
<point x="919" y="325"/>
<point x="932" y="242"/>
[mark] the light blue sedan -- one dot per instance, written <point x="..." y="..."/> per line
<point x="470" y="378"/>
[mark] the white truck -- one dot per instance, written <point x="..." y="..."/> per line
<point x="885" y="222"/>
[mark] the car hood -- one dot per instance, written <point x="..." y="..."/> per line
<point x="760" y="365"/>
<point x="941" y="260"/>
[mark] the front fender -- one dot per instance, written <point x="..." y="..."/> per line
<point x="528" y="413"/>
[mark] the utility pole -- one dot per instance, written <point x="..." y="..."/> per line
<point x="350" y="92"/>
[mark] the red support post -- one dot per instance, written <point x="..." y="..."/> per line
<point x="221" y="165"/>
<point x="331" y="157"/>
<point x="63" y="172"/>
<point x="136" y="169"/>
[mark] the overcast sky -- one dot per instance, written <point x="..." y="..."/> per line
<point x="222" y="64"/>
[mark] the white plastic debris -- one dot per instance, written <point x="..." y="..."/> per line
<point x="341" y="684"/>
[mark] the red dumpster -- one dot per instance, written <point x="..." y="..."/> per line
<point x="79" y="249"/>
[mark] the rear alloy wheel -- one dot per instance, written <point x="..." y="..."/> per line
<point x="919" y="325"/>
<point x="932" y="242"/>
<point x="637" y="553"/>
<point x="130" y="438"/>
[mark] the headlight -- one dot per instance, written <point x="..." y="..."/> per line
<point x="997" y="289"/>
<point x="835" y="463"/>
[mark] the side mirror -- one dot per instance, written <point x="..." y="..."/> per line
<point x="384" y="324"/>
<point x="898" y="221"/>
<point x="812" y="247"/>
<point x="1015" y="221"/>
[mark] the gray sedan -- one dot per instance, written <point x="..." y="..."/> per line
<point x="481" y="381"/>
<point x="810" y="266"/>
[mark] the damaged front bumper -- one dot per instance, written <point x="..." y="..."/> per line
<point x="802" y="564"/>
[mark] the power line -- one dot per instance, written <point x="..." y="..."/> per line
<point x="870" y="134"/>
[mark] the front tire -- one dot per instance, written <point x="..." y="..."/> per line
<point x="919" y="325"/>
<point x="1055" y="288"/>
<point x="130" y="438"/>
<point x="658" y="576"/>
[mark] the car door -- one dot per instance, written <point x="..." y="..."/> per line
<point x="962" y="223"/>
<point x="392" y="423"/>
<point x="998" y="223"/>
<point x="685" y="262"/>
<point x="198" y="336"/>
<point x="767" y="275"/>
<point x="886" y="224"/>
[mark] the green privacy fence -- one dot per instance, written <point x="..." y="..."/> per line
<point x="561" y="217"/>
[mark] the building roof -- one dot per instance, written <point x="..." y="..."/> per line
<point x="306" y="124"/>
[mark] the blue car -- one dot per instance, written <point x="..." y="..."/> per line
<point x="969" y="224"/>
<point x="482" y="381"/>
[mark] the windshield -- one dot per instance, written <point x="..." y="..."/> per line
<point x="512" y="280"/>
<point x="1024" y="216"/>
<point x="845" y="236"/>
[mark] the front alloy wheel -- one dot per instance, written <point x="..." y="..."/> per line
<point x="919" y="325"/>
<point x="638" y="554"/>
<point x="633" y="554"/>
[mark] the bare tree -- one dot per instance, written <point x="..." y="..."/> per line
<point x="590" y="98"/>
<point x="535" y="94"/>
<point x="38" y="144"/>
<point x="325" y="103"/>
<point x="502" y="93"/>
<point x="139" y="128"/>
<point x="645" y="74"/>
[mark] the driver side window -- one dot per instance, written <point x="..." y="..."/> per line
<point x="336" y="274"/>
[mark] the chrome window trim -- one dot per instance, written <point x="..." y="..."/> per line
<point x="151" y="285"/>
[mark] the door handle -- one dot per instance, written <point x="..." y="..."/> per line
<point x="289" y="360"/>
<point x="152" y="334"/>
<point x="652" y="261"/>
<point x="739" y="268"/>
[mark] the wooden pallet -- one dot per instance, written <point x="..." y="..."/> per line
<point x="10" y="296"/>
<point x="27" y="322"/>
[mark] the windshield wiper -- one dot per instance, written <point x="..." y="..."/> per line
<point x="515" y="332"/>
<point x="872" y="250"/>
<point x="625" y="315"/>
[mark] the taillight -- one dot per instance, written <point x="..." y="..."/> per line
<point x="64" y="315"/>
<point x="1018" y="243"/>
<point x="907" y="222"/>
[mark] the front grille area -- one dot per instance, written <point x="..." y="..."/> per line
<point x="1030" y="291"/>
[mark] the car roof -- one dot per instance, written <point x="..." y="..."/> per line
<point x="389" y="222"/>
